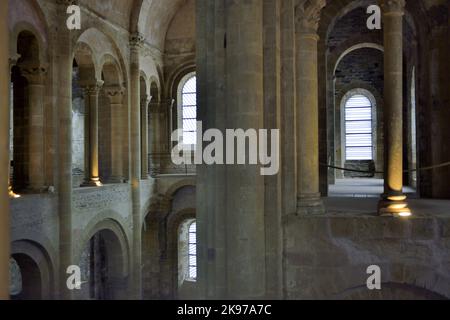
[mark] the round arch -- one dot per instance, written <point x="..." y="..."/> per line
<point x="353" y="48"/>
<point x="36" y="268"/>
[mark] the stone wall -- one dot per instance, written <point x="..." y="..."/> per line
<point x="326" y="257"/>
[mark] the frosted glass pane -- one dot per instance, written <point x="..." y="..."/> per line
<point x="189" y="137"/>
<point x="190" y="99"/>
<point x="189" y="113"/>
<point x="358" y="127"/>
<point x="358" y="114"/>
<point x="359" y="140"/>
<point x="353" y="153"/>
<point x="190" y="86"/>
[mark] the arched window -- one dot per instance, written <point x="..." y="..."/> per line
<point x="187" y="118"/>
<point x="187" y="252"/>
<point x="358" y="128"/>
<point x="192" y="256"/>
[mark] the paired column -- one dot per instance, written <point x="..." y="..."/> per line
<point x="4" y="152"/>
<point x="136" y="43"/>
<point x="307" y="21"/>
<point x="144" y="136"/>
<point x="35" y="76"/>
<point x="116" y="95"/>
<point x="92" y="178"/>
<point x="393" y="202"/>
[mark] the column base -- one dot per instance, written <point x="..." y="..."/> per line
<point x="310" y="204"/>
<point x="93" y="182"/>
<point x="12" y="194"/>
<point x="394" y="206"/>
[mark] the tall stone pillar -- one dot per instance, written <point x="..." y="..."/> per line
<point x="155" y="137"/>
<point x="91" y="92"/>
<point x="63" y="63"/>
<point x="393" y="202"/>
<point x="136" y="43"/>
<point x="35" y="76"/>
<point x="4" y="152"/>
<point x="307" y="21"/>
<point x="245" y="215"/>
<point x="144" y="136"/>
<point x="116" y="95"/>
<point x="438" y="52"/>
<point x="288" y="98"/>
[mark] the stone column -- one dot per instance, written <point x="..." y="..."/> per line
<point x="144" y="136"/>
<point x="245" y="215"/>
<point x="91" y="92"/>
<point x="63" y="62"/>
<point x="35" y="76"/>
<point x="4" y="151"/>
<point x="307" y="21"/>
<point x="136" y="43"/>
<point x="116" y="95"/>
<point x="393" y="202"/>
<point x="166" y="125"/>
<point x="154" y="142"/>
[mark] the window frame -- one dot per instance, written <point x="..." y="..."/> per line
<point x="189" y="255"/>
<point x="180" y="107"/>
<point x="371" y="99"/>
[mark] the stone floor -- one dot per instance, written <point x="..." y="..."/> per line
<point x="361" y="188"/>
<point x="360" y="196"/>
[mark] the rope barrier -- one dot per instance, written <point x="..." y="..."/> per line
<point x="442" y="165"/>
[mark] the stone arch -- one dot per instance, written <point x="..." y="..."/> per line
<point x="28" y="16"/>
<point x="174" y="188"/>
<point x="160" y="240"/>
<point x="84" y="57"/>
<point x="103" y="222"/>
<point x="40" y="47"/>
<point x="111" y="71"/>
<point x="155" y="91"/>
<point x="341" y="55"/>
<point x="151" y="18"/>
<point x="36" y="268"/>
<point x="174" y="222"/>
<point x="116" y="254"/>
<point x="174" y="80"/>
<point x="103" y="48"/>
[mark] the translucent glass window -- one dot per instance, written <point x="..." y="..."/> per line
<point x="189" y="111"/>
<point x="192" y="256"/>
<point x="358" y="128"/>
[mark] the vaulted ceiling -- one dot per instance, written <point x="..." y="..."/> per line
<point x="149" y="17"/>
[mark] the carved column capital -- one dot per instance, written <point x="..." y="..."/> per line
<point x="35" y="75"/>
<point x="145" y="100"/>
<point x="393" y="7"/>
<point x="307" y="16"/>
<point x="13" y="61"/>
<point x="136" y="42"/>
<point x="115" y="94"/>
<point x="91" y="89"/>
